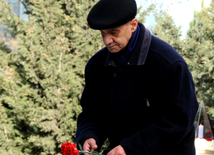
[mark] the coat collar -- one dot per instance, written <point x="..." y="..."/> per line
<point x="140" y="51"/>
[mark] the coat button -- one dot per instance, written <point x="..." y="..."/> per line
<point x="115" y="74"/>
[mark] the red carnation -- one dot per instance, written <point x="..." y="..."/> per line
<point x="69" y="149"/>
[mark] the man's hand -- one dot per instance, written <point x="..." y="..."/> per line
<point x="117" y="151"/>
<point x="89" y="145"/>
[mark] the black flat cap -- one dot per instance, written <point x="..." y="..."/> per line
<point x="108" y="14"/>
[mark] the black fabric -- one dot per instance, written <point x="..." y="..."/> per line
<point x="148" y="106"/>
<point x="108" y="14"/>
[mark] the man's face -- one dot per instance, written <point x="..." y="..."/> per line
<point x="117" y="38"/>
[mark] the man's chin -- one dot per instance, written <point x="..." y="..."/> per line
<point x="113" y="50"/>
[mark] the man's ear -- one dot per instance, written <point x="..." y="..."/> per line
<point x="134" y="23"/>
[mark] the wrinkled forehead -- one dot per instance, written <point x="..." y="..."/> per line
<point x="110" y="30"/>
<point x="115" y="29"/>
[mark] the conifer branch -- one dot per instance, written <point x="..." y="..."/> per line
<point x="10" y="78"/>
<point x="13" y="92"/>
<point x="60" y="61"/>
<point x="60" y="65"/>
<point x="43" y="54"/>
<point x="5" y="133"/>
<point x="33" y="54"/>
<point x="58" y="92"/>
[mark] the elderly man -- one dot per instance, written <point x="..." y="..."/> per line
<point x="139" y="92"/>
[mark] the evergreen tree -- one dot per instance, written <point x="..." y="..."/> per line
<point x="145" y="12"/>
<point x="200" y="53"/>
<point x="5" y="126"/>
<point x="166" y="29"/>
<point x="41" y="83"/>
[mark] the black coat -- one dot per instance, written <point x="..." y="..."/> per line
<point x="147" y="107"/>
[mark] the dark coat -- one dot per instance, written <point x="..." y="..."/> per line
<point x="147" y="107"/>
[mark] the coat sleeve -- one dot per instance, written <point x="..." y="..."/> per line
<point x="175" y="114"/>
<point x="90" y="122"/>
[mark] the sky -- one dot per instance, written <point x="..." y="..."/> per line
<point x="181" y="10"/>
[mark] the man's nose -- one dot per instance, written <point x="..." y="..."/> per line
<point x="107" y="39"/>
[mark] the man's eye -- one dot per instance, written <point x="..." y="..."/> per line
<point x="114" y="34"/>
